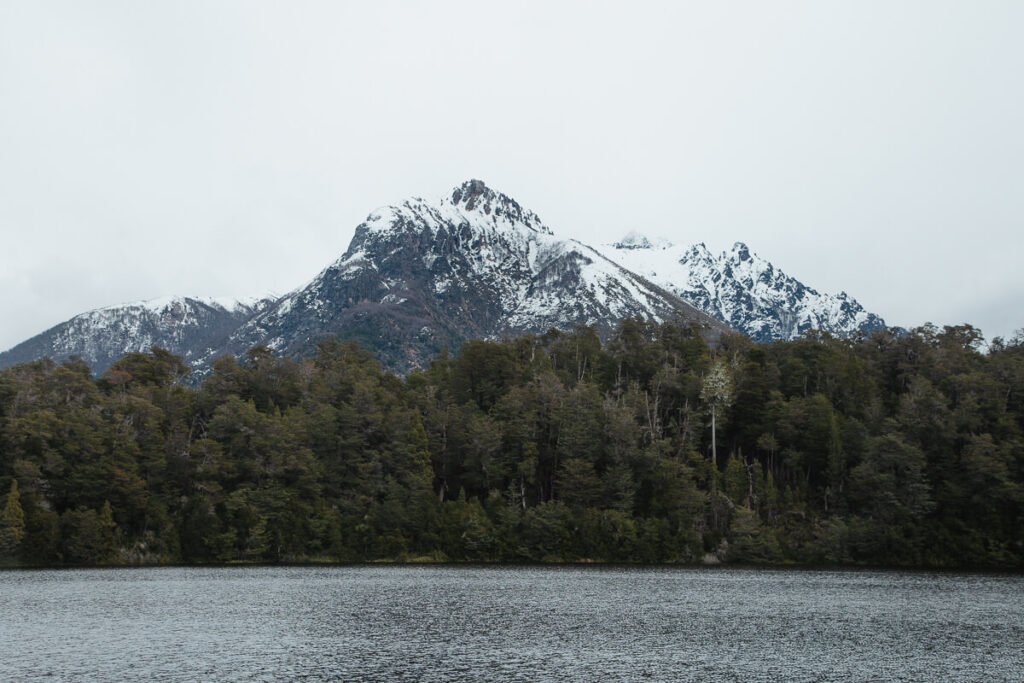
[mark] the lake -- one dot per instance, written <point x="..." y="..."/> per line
<point x="442" y="623"/>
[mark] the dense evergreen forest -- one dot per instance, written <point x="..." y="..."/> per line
<point x="890" y="449"/>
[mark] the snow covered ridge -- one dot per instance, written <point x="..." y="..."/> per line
<point x="182" y="324"/>
<point x="472" y="204"/>
<point x="634" y="240"/>
<point x="742" y="289"/>
<point x="170" y="304"/>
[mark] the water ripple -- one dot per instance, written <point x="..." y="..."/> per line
<point x="509" y="624"/>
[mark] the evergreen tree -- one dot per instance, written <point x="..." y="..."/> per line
<point x="12" y="522"/>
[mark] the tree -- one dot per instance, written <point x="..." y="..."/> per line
<point x="716" y="392"/>
<point x="12" y="522"/>
<point x="157" y="367"/>
<point x="578" y="483"/>
<point x="89" y="537"/>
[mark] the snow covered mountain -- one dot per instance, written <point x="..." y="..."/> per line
<point x="425" y="275"/>
<point x="188" y="326"/>
<point x="742" y="289"/>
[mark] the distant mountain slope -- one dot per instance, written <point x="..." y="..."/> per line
<point x="423" y="275"/>
<point x="742" y="289"/>
<point x="187" y="326"/>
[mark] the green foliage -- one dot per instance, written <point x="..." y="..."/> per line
<point x="902" y="449"/>
<point x="12" y="523"/>
<point x="750" y="540"/>
<point x="89" y="537"/>
<point x="716" y="390"/>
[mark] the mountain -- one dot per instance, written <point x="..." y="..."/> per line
<point x="423" y="275"/>
<point x="188" y="326"/>
<point x="742" y="289"/>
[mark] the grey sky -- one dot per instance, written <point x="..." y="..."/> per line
<point x="231" y="148"/>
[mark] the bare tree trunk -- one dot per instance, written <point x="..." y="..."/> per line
<point x="714" y="448"/>
<point x="750" y="481"/>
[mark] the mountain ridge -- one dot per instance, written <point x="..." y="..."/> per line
<point x="744" y="290"/>
<point x="183" y="325"/>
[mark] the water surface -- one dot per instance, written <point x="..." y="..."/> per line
<point x="509" y="623"/>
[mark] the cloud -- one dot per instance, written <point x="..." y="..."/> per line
<point x="214" y="147"/>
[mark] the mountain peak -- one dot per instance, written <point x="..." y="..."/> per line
<point x="741" y="250"/>
<point x="471" y="193"/>
<point x="695" y="252"/>
<point x="474" y="197"/>
<point x="635" y="240"/>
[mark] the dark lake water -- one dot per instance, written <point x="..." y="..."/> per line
<point x="515" y="624"/>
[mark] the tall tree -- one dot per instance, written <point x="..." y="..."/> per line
<point x="716" y="392"/>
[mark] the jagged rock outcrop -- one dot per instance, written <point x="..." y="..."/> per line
<point x="742" y="289"/>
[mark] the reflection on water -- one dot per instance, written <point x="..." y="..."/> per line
<point x="517" y="624"/>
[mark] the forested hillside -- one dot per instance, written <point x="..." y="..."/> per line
<point x="885" y="449"/>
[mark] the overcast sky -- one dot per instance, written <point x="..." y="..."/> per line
<point x="214" y="148"/>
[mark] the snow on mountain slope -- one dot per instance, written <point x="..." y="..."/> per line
<point x="423" y="275"/>
<point x="742" y="289"/>
<point x="185" y="325"/>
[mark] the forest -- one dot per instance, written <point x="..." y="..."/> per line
<point x="897" y="448"/>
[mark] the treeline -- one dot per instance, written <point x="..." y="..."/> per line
<point x="890" y="449"/>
